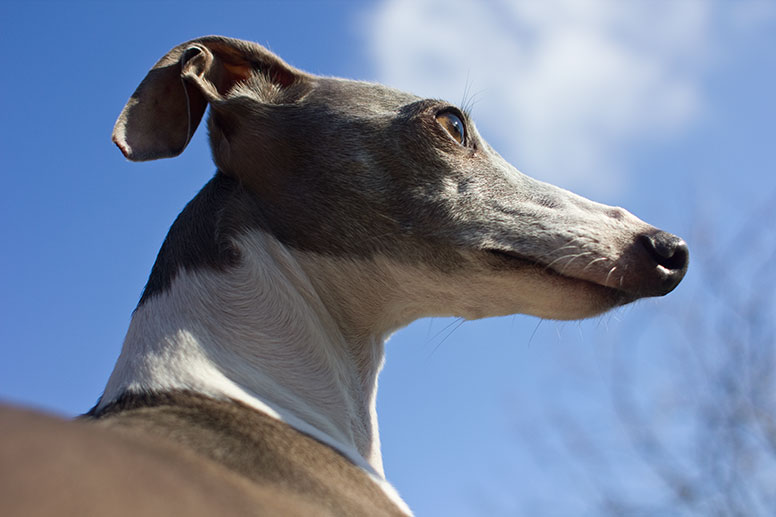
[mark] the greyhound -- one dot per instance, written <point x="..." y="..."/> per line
<point x="340" y="211"/>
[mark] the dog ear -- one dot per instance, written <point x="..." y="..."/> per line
<point x="161" y="116"/>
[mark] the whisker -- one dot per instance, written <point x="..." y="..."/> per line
<point x="571" y="258"/>
<point x="576" y="242"/>
<point x="534" y="332"/>
<point x="443" y="329"/>
<point x="606" y="282"/>
<point x="460" y="322"/>
<point x="599" y="259"/>
<point x="566" y="247"/>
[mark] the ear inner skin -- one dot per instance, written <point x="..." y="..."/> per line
<point x="197" y="67"/>
<point x="163" y="113"/>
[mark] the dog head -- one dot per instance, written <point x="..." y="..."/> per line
<point x="360" y="172"/>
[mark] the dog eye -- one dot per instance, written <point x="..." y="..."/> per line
<point x="453" y="125"/>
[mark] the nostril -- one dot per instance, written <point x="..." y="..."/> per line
<point x="667" y="250"/>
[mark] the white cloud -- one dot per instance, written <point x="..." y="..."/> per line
<point x="562" y="88"/>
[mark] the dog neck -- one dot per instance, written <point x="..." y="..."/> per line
<point x="264" y="332"/>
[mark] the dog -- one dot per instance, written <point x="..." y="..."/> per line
<point x="340" y="211"/>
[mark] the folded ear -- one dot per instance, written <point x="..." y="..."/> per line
<point x="165" y="110"/>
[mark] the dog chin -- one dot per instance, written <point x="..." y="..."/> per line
<point x="571" y="298"/>
<point x="547" y="293"/>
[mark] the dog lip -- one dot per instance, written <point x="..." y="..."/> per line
<point x="513" y="258"/>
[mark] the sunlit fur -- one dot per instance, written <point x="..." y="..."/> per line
<point x="260" y="334"/>
<point x="340" y="212"/>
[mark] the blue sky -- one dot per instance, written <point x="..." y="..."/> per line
<point x="665" y="108"/>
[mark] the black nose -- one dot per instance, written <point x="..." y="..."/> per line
<point x="667" y="250"/>
<point x="670" y="252"/>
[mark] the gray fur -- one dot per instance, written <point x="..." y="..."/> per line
<point x="349" y="168"/>
<point x="340" y="211"/>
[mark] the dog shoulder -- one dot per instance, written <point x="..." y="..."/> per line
<point x="120" y="475"/>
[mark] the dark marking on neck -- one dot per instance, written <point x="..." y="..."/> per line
<point x="201" y="236"/>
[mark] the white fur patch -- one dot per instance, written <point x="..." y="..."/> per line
<point x="300" y="336"/>
<point x="260" y="334"/>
